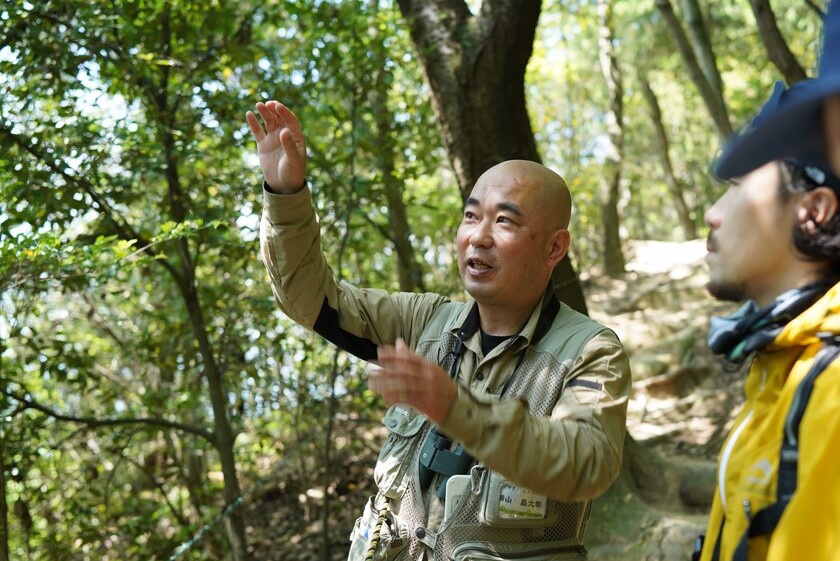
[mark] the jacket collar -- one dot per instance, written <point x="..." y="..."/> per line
<point x="821" y="319"/>
<point x="468" y="322"/>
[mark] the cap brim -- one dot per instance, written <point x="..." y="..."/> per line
<point x="794" y="129"/>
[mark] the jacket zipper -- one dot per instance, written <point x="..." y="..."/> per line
<point x="724" y="457"/>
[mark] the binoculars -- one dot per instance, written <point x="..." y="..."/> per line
<point x="436" y="457"/>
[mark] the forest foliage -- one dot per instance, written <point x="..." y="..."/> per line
<point x="147" y="380"/>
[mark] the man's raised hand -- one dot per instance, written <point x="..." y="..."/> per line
<point x="404" y="377"/>
<point x="280" y="145"/>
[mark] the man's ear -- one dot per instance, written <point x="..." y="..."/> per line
<point x="817" y="208"/>
<point x="560" y="241"/>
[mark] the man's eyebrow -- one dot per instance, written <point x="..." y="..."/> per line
<point x="510" y="207"/>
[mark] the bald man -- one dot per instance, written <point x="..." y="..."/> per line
<point x="506" y="412"/>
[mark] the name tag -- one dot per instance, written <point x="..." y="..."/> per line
<point x="518" y="503"/>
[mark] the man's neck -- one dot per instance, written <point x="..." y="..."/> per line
<point x="791" y="280"/>
<point x="503" y="320"/>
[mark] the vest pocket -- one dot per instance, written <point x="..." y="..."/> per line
<point x="504" y="504"/>
<point x="547" y="551"/>
<point x="404" y="425"/>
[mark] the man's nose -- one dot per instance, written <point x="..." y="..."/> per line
<point x="481" y="235"/>
<point x="707" y="218"/>
<point x="712" y="215"/>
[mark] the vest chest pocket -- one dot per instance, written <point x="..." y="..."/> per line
<point x="404" y="427"/>
<point x="485" y="551"/>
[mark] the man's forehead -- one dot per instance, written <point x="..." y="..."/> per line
<point x="508" y="188"/>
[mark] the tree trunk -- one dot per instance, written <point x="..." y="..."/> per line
<point x="326" y="513"/>
<point x="178" y="202"/>
<point x="4" y="505"/>
<point x="777" y="48"/>
<point x="663" y="146"/>
<point x="614" y="263"/>
<point x="222" y="429"/>
<point x="409" y="270"/>
<point x="475" y="66"/>
<point x="712" y="99"/>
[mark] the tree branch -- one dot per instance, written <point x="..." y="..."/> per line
<point x="100" y="202"/>
<point x="715" y="105"/>
<point x="92" y="422"/>
<point x="702" y="45"/>
<point x="179" y="516"/>
<point x="777" y="48"/>
<point x="124" y="230"/>
<point x="819" y="11"/>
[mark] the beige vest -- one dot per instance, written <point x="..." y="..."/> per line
<point x="494" y="519"/>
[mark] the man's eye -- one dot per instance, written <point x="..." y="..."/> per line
<point x="503" y="219"/>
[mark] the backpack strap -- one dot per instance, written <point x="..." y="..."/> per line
<point x="766" y="519"/>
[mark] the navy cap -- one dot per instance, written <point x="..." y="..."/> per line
<point x="789" y="124"/>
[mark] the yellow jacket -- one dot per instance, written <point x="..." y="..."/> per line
<point x="747" y="471"/>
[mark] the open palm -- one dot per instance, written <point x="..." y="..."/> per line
<point x="280" y="145"/>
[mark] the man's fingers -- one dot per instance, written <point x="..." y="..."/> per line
<point x="284" y="114"/>
<point x="296" y="159"/>
<point x="275" y="113"/>
<point x="399" y="351"/>
<point x="405" y="377"/>
<point x="386" y="354"/>
<point x="280" y="115"/>
<point x="290" y="120"/>
<point x="269" y="115"/>
<point x="255" y="126"/>
<point x="390" y="387"/>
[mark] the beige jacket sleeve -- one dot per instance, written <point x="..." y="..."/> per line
<point x="574" y="454"/>
<point x="301" y="279"/>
